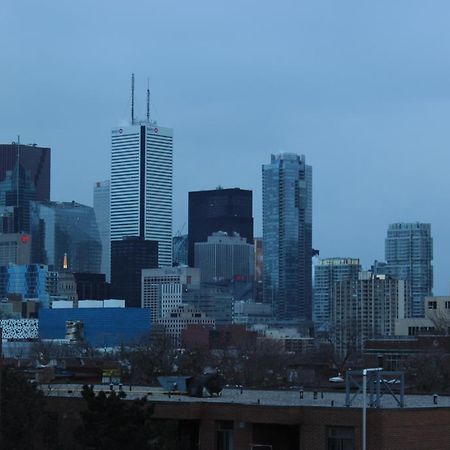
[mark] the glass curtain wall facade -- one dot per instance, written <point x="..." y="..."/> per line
<point x="29" y="281"/>
<point x="102" y="192"/>
<point x="409" y="255"/>
<point x="66" y="228"/>
<point x="129" y="257"/>
<point x="287" y="236"/>
<point x="228" y="210"/>
<point x="24" y="177"/>
<point x="327" y="273"/>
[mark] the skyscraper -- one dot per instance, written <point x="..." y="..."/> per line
<point x="327" y="273"/>
<point x="259" y="258"/>
<point x="15" y="248"/>
<point x="129" y="257"/>
<point x="141" y="185"/>
<point x="364" y="308"/>
<point x="225" y="258"/>
<point x="409" y="252"/>
<point x="102" y="192"/>
<point x="163" y="289"/>
<point x="287" y="236"/>
<point x="24" y="177"/>
<point x="29" y="281"/>
<point x="228" y="210"/>
<point x="65" y="229"/>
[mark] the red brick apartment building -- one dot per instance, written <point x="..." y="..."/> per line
<point x="280" y="420"/>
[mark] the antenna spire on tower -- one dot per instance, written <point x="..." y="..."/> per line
<point x="148" y="100"/>
<point x="132" y="99"/>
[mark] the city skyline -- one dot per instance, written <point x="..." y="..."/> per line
<point x="363" y="98"/>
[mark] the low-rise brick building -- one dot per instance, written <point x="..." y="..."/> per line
<point x="280" y="420"/>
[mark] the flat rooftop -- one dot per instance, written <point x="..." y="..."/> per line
<point x="276" y="398"/>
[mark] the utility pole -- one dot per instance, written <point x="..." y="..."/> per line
<point x="364" y="411"/>
<point x="1" y="369"/>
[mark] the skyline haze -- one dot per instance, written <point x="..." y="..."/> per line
<point x="361" y="90"/>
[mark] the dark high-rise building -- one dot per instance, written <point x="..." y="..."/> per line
<point x="128" y="257"/>
<point x="24" y="177"/>
<point x="92" y="286"/>
<point x="228" y="210"/>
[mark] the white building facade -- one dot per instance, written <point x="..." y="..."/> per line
<point x="141" y="185"/>
<point x="225" y="257"/>
<point x="178" y="320"/>
<point x="162" y="289"/>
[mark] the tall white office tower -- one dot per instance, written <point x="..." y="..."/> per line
<point x="141" y="183"/>
<point x="141" y="186"/>
<point x="102" y="192"/>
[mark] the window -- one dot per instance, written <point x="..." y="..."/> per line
<point x="341" y="438"/>
<point x="225" y="435"/>
<point x="447" y="305"/>
<point x="432" y="305"/>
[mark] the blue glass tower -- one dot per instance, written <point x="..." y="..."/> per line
<point x="287" y="236"/>
<point x="30" y="281"/>
<point x="327" y="273"/>
<point x="409" y="253"/>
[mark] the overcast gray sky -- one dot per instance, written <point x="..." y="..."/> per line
<point x="362" y="88"/>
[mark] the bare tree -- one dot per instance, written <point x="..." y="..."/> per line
<point x="346" y="341"/>
<point x="153" y="355"/>
<point x="440" y="321"/>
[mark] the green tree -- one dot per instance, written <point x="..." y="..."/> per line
<point x="113" y="423"/>
<point x="24" y="421"/>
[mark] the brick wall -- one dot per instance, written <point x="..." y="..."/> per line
<point x="388" y="429"/>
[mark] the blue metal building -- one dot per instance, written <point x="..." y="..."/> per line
<point x="103" y="327"/>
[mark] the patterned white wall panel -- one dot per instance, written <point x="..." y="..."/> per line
<point x="20" y="328"/>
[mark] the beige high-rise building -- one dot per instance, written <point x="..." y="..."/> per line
<point x="366" y="308"/>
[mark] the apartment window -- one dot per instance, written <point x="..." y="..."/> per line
<point x="447" y="305"/>
<point x="432" y="305"/>
<point x="225" y="435"/>
<point x="341" y="438"/>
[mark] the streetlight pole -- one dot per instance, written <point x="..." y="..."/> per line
<point x="1" y="368"/>
<point x="364" y="408"/>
